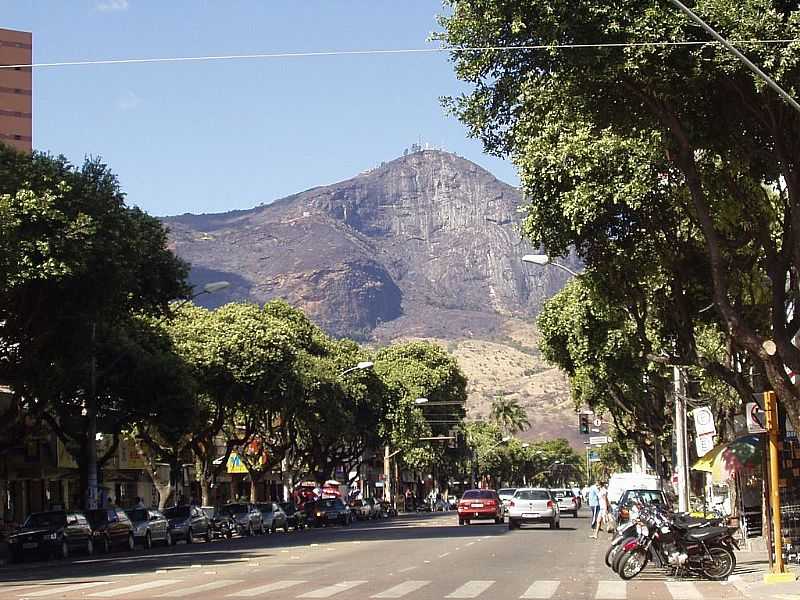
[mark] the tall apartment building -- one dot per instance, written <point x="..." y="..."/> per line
<point x="16" y="89"/>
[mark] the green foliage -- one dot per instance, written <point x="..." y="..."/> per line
<point x="508" y="415"/>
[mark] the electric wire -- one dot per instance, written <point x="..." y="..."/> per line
<point x="375" y="52"/>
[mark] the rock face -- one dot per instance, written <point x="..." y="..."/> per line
<point x="420" y="238"/>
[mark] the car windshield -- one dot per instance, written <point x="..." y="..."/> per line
<point x="478" y="495"/>
<point x="177" y="512"/>
<point x="48" y="519"/>
<point x="532" y="495"/>
<point x="137" y="515"/>
<point x="563" y="493"/>
<point x="649" y="497"/>
<point x="236" y="509"/>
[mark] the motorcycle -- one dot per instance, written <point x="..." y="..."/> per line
<point x="670" y="544"/>
<point x="222" y="526"/>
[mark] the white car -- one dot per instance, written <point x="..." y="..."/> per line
<point x="533" y="505"/>
<point x="567" y="502"/>
<point x="506" y="494"/>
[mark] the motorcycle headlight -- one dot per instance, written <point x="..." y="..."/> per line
<point x="642" y="530"/>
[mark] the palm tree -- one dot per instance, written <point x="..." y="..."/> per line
<point x="508" y="415"/>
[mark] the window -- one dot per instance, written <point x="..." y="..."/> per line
<point x="478" y="494"/>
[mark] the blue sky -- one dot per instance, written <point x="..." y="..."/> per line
<point x="216" y="136"/>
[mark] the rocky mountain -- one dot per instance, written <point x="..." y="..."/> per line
<point x="424" y="246"/>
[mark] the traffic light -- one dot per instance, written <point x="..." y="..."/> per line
<point x="583" y="420"/>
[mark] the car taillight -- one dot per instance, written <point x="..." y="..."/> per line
<point x="549" y="504"/>
<point x="491" y="503"/>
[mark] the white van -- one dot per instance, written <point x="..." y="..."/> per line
<point x="619" y="482"/>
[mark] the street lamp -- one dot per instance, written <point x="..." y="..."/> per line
<point x="421" y="401"/>
<point x="359" y="367"/>
<point x="543" y="260"/>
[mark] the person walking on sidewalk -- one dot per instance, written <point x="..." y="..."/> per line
<point x="594" y="503"/>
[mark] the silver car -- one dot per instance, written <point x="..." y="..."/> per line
<point x="533" y="505"/>
<point x="567" y="502"/>
<point x="506" y="494"/>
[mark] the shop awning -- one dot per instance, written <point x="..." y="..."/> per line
<point x="725" y="460"/>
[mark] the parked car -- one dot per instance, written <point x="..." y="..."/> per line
<point x="641" y="497"/>
<point x="54" y="533"/>
<point x="533" y="505"/>
<point x="375" y="510"/>
<point x="221" y="523"/>
<point x="567" y="502"/>
<point x="294" y="517"/>
<point x="327" y="511"/>
<point x="360" y="509"/>
<point x="149" y="526"/>
<point x="111" y="528"/>
<point x="480" y="504"/>
<point x="246" y="516"/>
<point x="188" y="523"/>
<point x="505" y="495"/>
<point x="273" y="516"/>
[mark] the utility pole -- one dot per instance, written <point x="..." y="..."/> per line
<point x="682" y="450"/>
<point x="91" y="427"/>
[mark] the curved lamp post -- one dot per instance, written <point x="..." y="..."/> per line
<point x="543" y="260"/>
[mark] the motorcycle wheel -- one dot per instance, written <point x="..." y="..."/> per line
<point x="632" y="564"/>
<point x="611" y="555"/>
<point x="718" y="564"/>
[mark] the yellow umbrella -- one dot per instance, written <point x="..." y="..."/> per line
<point x="726" y="459"/>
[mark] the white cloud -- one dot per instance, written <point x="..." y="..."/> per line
<point x="112" y="5"/>
<point x="128" y="101"/>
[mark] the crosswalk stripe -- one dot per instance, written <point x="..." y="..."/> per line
<point x="683" y="590"/>
<point x="542" y="590"/>
<point x="332" y="590"/>
<point x="263" y="589"/>
<point x="214" y="585"/>
<point x="611" y="590"/>
<point x="402" y="589"/>
<point x="65" y="588"/>
<point x="147" y="585"/>
<point x="471" y="589"/>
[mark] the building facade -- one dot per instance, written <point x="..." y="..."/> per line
<point x="16" y="89"/>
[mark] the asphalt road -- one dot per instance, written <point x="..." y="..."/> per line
<point x="426" y="557"/>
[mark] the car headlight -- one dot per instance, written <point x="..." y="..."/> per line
<point x="52" y="536"/>
<point x="319" y="514"/>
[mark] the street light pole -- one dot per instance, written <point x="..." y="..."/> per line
<point x="682" y="450"/>
<point x="543" y="260"/>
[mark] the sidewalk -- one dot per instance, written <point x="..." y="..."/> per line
<point x="749" y="578"/>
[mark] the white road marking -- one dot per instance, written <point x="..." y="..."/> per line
<point x="471" y="589"/>
<point x="407" y="569"/>
<point x="683" y="590"/>
<point x="65" y="588"/>
<point x="147" y="585"/>
<point x="214" y="585"/>
<point x="542" y="590"/>
<point x="398" y="591"/>
<point x="332" y="590"/>
<point x="443" y="555"/>
<point x="263" y="589"/>
<point x="611" y="590"/>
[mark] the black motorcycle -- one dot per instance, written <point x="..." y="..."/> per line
<point x="670" y="544"/>
<point x="221" y="525"/>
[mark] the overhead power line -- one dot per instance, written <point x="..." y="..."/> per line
<point x="376" y="52"/>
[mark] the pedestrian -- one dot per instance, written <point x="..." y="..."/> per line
<point x="594" y="503"/>
<point x="604" y="513"/>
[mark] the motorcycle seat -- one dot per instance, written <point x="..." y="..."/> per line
<point x="703" y="533"/>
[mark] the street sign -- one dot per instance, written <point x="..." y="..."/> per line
<point x="704" y="443"/>
<point x="755" y="418"/>
<point x="594" y="456"/>
<point x="598" y="440"/>
<point x="704" y="421"/>
<point x="598" y="422"/>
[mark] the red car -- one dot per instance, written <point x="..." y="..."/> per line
<point x="480" y="504"/>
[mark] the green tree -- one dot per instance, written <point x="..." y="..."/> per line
<point x="508" y="415"/>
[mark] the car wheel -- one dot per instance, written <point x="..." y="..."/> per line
<point x="148" y="541"/>
<point x="132" y="541"/>
<point x="189" y="536"/>
<point x="273" y="528"/>
<point x="168" y="541"/>
<point x="460" y="521"/>
<point x="89" y="546"/>
<point x="64" y="552"/>
<point x="512" y="524"/>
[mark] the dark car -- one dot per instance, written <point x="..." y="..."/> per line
<point x="247" y="517"/>
<point x="149" y="526"/>
<point x="188" y="523"/>
<point x="328" y="511"/>
<point x="273" y="517"/>
<point x="55" y="533"/>
<point x="640" y="497"/>
<point x="294" y="517"/>
<point x="111" y="528"/>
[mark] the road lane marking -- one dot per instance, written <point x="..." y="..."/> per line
<point x="443" y="555"/>
<point x="147" y="585"/>
<point x="398" y="591"/>
<point x="541" y="590"/>
<point x="214" y="585"/>
<point x="407" y="569"/>
<point x="332" y="590"/>
<point x="471" y="589"/>
<point x="611" y="590"/>
<point x="683" y="590"/>
<point x="65" y="588"/>
<point x="263" y="589"/>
